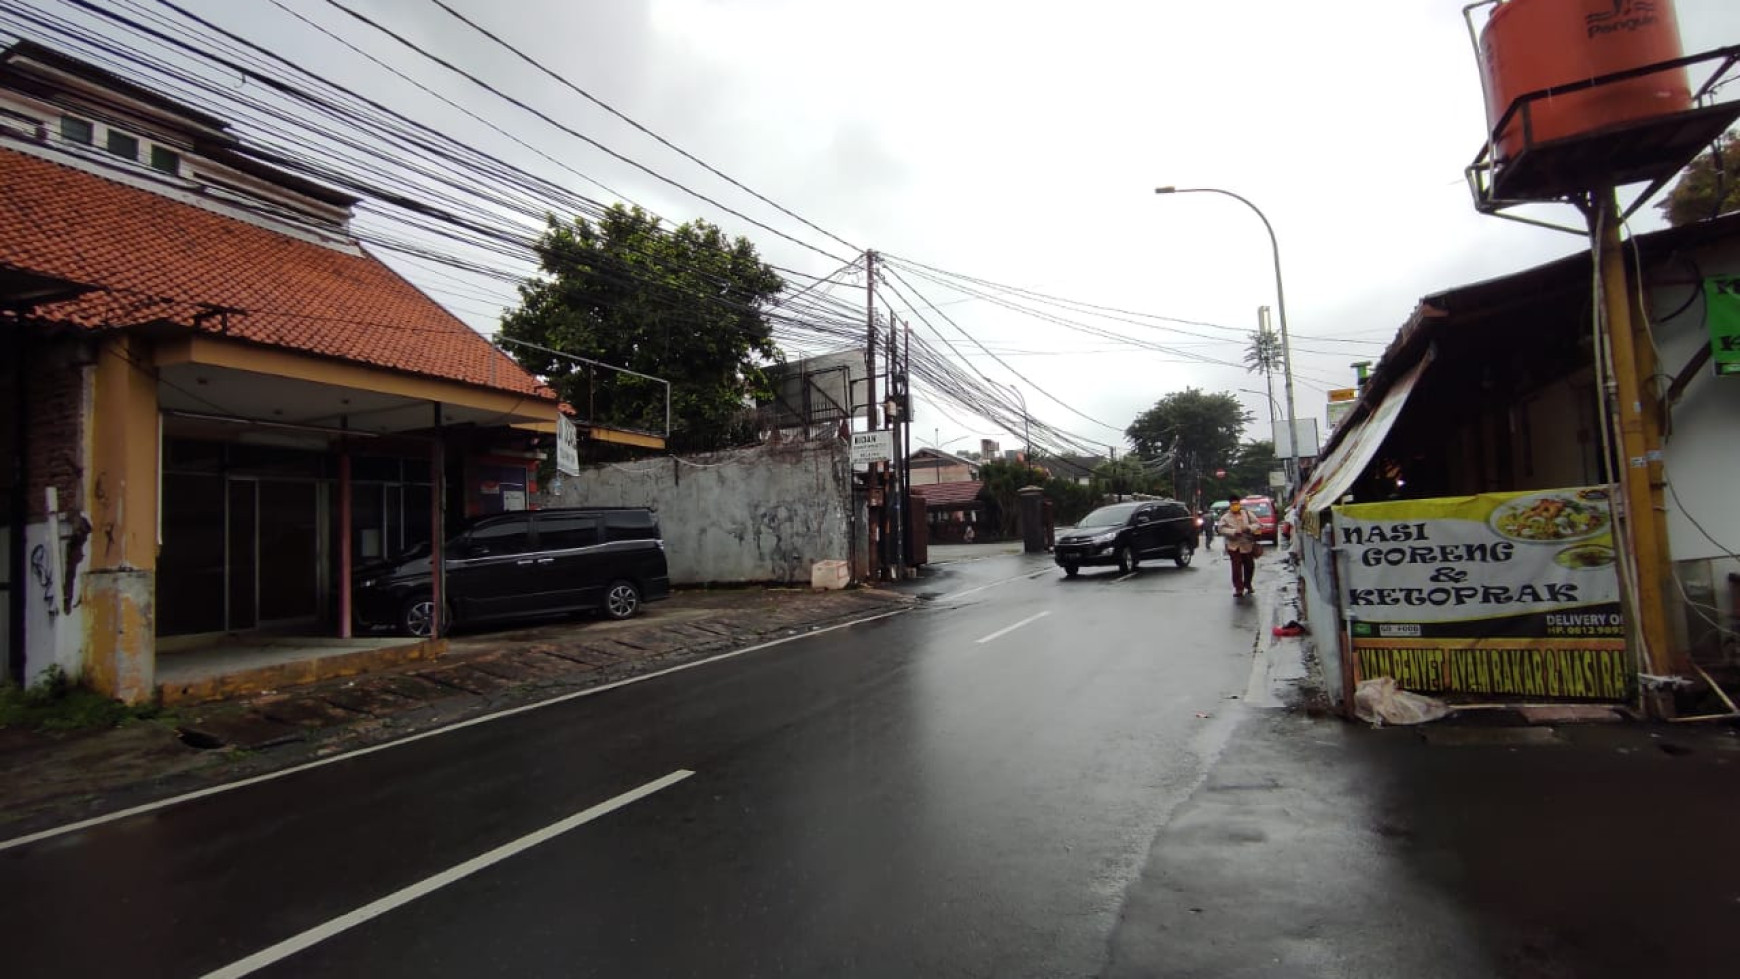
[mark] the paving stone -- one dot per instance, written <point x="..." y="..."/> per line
<point x="306" y="711"/>
<point x="245" y="730"/>
<point x="468" y="678"/>
<point x="579" y="659"/>
<point x="413" y="687"/>
<point x="375" y="700"/>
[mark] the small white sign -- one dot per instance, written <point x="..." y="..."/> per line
<point x="872" y="447"/>
<point x="1277" y="478"/>
<point x="1308" y="442"/>
<point x="567" y="446"/>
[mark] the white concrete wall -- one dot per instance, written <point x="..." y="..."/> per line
<point x="760" y="514"/>
<point x="1702" y="455"/>
<point x="54" y="632"/>
<point x="1321" y="609"/>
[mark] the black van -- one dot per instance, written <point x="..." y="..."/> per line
<point x="530" y="562"/>
<point x="1124" y="534"/>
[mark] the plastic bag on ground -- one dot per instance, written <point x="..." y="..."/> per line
<point x="1379" y="701"/>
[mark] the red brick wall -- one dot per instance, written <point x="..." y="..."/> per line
<point x="56" y="381"/>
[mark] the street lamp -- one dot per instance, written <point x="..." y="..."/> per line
<point x="1280" y="306"/>
<point x="1269" y="396"/>
<point x="1026" y="433"/>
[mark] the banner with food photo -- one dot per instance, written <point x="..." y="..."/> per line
<point x="1501" y="593"/>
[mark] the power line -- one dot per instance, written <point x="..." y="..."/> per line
<point x="1080" y="305"/>
<point x="613" y="111"/>
<point x="649" y="171"/>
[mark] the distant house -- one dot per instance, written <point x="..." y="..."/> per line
<point x="932" y="466"/>
<point x="950" y="508"/>
<point x="223" y="402"/>
<point x="1075" y="468"/>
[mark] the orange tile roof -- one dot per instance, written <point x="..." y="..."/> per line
<point x="949" y="495"/>
<point x="161" y="259"/>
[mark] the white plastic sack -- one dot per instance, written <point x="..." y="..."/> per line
<point x="1379" y="701"/>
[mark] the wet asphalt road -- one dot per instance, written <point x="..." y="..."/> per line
<point x="968" y="789"/>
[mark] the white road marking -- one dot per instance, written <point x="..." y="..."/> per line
<point x="1008" y="629"/>
<point x="437" y="732"/>
<point x="428" y="885"/>
<point x="1005" y="581"/>
<point x="1126" y="577"/>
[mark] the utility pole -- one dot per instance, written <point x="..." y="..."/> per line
<point x="1268" y="370"/>
<point x="909" y="550"/>
<point x="873" y="474"/>
<point x="1631" y="396"/>
<point x="896" y="424"/>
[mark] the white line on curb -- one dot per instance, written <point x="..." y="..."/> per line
<point x="1008" y="629"/>
<point x="428" y="885"/>
<point x="371" y="749"/>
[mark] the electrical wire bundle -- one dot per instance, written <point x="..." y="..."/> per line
<point x="467" y="221"/>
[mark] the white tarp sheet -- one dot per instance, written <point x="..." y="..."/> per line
<point x="1336" y="474"/>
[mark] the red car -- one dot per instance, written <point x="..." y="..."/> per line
<point x="1263" y="509"/>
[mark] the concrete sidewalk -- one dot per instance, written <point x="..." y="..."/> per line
<point x="1321" y="848"/>
<point x="49" y="779"/>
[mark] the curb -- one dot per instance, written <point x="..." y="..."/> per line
<point x="226" y="744"/>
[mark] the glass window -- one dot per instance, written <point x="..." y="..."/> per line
<point x="191" y="565"/>
<point x="374" y="469"/>
<point x="1109" y="516"/>
<point x="190" y="455"/>
<point x="122" y="144"/>
<point x="631" y="525"/>
<point x="505" y="536"/>
<point x="165" y="159"/>
<point x="563" y="531"/>
<point x="76" y="130"/>
<point x="417" y="517"/>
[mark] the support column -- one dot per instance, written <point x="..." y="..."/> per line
<point x="121" y="498"/>
<point x="438" y="529"/>
<point x="344" y="546"/>
<point x="1644" y="519"/>
<point x="1032" y="509"/>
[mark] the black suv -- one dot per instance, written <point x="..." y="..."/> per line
<point x="530" y="562"/>
<point x="1124" y="534"/>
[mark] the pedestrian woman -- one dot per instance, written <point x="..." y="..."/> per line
<point x="1240" y="529"/>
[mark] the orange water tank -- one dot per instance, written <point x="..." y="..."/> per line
<point x="1529" y="45"/>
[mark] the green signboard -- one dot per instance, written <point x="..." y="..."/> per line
<point x="1722" y="299"/>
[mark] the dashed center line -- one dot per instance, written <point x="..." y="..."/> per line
<point x="405" y="895"/>
<point x="1008" y="629"/>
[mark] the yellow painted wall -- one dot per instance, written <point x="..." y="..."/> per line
<point x="121" y="501"/>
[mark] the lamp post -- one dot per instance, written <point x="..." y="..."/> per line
<point x="1269" y="395"/>
<point x="1280" y="307"/>
<point x="1026" y="433"/>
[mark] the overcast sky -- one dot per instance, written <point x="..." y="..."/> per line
<point x="1021" y="142"/>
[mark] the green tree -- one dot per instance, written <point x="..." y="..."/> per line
<point x="688" y="305"/>
<point x="1250" y="472"/>
<point x="1191" y="433"/>
<point x="999" y="483"/>
<point x="1709" y="186"/>
<point x="1002" y="482"/>
<point x="1122" y="477"/>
